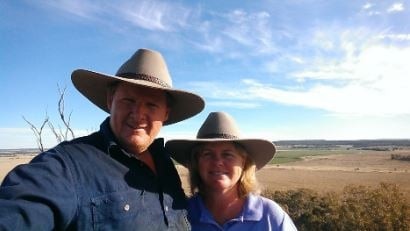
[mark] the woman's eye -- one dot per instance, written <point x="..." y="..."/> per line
<point x="229" y="155"/>
<point x="205" y="154"/>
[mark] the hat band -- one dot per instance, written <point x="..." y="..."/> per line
<point x="145" y="77"/>
<point x="218" y="135"/>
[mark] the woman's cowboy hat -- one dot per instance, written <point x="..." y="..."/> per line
<point x="220" y="126"/>
<point x="145" y="68"/>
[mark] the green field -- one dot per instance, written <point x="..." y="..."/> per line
<point x="292" y="155"/>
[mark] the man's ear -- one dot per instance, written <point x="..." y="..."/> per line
<point x="167" y="113"/>
<point x="110" y="96"/>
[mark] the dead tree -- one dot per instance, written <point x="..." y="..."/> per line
<point x="61" y="133"/>
<point x="38" y="132"/>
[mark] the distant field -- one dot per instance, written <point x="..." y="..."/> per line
<point x="331" y="170"/>
<point x="322" y="169"/>
<point x="292" y="155"/>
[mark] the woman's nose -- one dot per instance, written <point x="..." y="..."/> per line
<point x="217" y="159"/>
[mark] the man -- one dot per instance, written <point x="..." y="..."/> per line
<point x="119" y="178"/>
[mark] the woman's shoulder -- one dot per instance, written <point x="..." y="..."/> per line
<point x="273" y="213"/>
<point x="268" y="205"/>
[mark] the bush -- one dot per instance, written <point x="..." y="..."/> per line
<point x="356" y="208"/>
<point x="400" y="157"/>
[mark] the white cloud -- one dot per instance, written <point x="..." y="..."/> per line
<point x="323" y="39"/>
<point x="367" y="6"/>
<point x="375" y="82"/>
<point x="149" y="15"/>
<point x="371" y="80"/>
<point x="233" y="104"/>
<point x="396" y="7"/>
<point x="397" y="37"/>
<point x="249" y="29"/>
<point x="79" y="8"/>
<point x="25" y="138"/>
<point x="346" y="128"/>
<point x="230" y="92"/>
<point x="154" y="15"/>
<point x="209" y="42"/>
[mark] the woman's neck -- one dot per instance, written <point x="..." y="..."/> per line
<point x="224" y="206"/>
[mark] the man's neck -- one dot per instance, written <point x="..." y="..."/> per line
<point x="146" y="157"/>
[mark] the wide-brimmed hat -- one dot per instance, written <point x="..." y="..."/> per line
<point x="146" y="68"/>
<point x="220" y="126"/>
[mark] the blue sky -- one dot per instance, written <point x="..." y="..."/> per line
<point x="309" y="69"/>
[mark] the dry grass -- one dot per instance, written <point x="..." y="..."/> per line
<point x="320" y="173"/>
<point x="7" y="163"/>
<point x="333" y="173"/>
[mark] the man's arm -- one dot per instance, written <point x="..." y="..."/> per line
<point x="39" y="195"/>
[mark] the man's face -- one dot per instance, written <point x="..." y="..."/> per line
<point x="137" y="115"/>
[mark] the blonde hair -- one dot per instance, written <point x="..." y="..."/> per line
<point x="247" y="182"/>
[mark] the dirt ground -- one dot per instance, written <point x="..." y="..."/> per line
<point x="333" y="173"/>
<point x="320" y="173"/>
<point x="7" y="163"/>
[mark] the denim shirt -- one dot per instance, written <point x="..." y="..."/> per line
<point x="258" y="213"/>
<point x="90" y="184"/>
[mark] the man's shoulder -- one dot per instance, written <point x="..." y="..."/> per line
<point x="94" y="139"/>
<point x="77" y="147"/>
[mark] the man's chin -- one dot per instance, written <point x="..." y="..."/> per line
<point x="140" y="144"/>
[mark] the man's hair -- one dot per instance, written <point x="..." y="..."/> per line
<point x="247" y="182"/>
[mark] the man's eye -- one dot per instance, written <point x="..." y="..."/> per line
<point x="127" y="100"/>
<point x="152" y="105"/>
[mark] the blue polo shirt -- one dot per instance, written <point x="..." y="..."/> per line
<point x="259" y="213"/>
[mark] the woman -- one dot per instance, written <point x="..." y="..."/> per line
<point x="222" y="170"/>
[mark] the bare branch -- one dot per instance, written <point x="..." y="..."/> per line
<point x="38" y="133"/>
<point x="59" y="134"/>
<point x="56" y="134"/>
<point x="65" y="121"/>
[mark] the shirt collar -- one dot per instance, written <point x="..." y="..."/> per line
<point x="109" y="139"/>
<point x="252" y="210"/>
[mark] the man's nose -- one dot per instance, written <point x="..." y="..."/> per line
<point x="138" y="109"/>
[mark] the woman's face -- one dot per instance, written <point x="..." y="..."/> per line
<point x="220" y="166"/>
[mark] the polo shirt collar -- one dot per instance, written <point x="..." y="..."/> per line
<point x="252" y="210"/>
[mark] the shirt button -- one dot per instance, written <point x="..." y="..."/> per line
<point x="166" y="208"/>
<point x="126" y="207"/>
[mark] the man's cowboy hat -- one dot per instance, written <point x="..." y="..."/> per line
<point x="145" y="68"/>
<point x="220" y="126"/>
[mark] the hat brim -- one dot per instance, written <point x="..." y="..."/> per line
<point x="261" y="151"/>
<point x="93" y="86"/>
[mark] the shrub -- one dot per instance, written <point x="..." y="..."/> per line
<point x="400" y="157"/>
<point x="356" y="208"/>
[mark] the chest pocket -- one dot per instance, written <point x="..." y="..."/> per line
<point x="130" y="210"/>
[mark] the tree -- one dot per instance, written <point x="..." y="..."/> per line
<point x="61" y="133"/>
